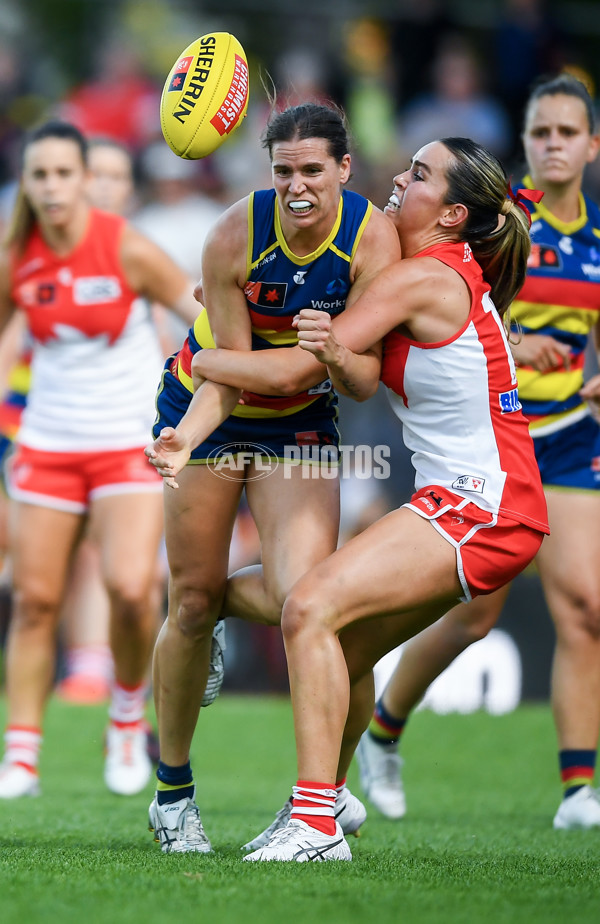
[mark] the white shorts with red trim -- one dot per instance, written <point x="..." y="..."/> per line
<point x="491" y="549"/>
<point x="69" y="481"/>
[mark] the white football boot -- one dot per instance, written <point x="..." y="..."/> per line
<point x="350" y="813"/>
<point x="177" y="827"/>
<point x="300" y="843"/>
<point x="216" y="671"/>
<point x="17" y="781"/>
<point x="127" y="766"/>
<point x="581" y="810"/>
<point x="380" y="776"/>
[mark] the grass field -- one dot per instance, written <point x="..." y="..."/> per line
<point x="476" y="846"/>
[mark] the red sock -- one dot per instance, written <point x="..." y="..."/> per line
<point x="314" y="803"/>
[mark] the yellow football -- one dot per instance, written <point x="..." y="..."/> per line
<point x="205" y="96"/>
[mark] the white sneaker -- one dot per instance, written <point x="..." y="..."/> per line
<point x="17" y="781"/>
<point x="581" y="810"/>
<point x="216" y="671"/>
<point x="380" y="776"/>
<point x="301" y="843"/>
<point x="127" y="767"/>
<point x="177" y="827"/>
<point x="350" y="813"/>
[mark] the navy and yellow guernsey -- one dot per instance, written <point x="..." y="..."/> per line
<point x="279" y="284"/>
<point x="560" y="298"/>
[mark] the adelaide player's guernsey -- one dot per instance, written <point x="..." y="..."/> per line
<point x="279" y="284"/>
<point x="457" y="400"/>
<point x="96" y="357"/>
<point x="561" y="298"/>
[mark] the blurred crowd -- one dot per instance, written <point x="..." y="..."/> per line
<point x="402" y="82"/>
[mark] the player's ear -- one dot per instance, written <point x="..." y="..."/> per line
<point x="454" y="215"/>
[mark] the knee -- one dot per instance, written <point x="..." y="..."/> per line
<point x="194" y="612"/>
<point x="475" y="630"/>
<point x="129" y="599"/>
<point x="33" y="609"/>
<point x="305" y="611"/>
<point x="582" y="621"/>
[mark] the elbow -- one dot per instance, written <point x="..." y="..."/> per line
<point x="364" y="394"/>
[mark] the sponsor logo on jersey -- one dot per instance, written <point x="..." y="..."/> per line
<point x="427" y="503"/>
<point x="469" y="483"/>
<point x="336" y="287"/>
<point x="566" y="245"/>
<point x="93" y="290"/>
<point x="266" y="294"/>
<point x="268" y="259"/>
<point x="591" y="270"/>
<point x="299" y="277"/>
<point x="333" y="307"/>
<point x="509" y="401"/>
<point x="468" y="254"/>
<point x="544" y="257"/>
<point x="46" y="293"/>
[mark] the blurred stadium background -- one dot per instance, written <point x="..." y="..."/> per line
<point x="407" y="73"/>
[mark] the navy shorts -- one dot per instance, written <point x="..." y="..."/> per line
<point x="570" y="458"/>
<point x="274" y="437"/>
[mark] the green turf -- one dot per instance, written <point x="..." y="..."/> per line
<point x="476" y="846"/>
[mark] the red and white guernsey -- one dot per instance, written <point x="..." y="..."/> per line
<point x="458" y="402"/>
<point x="96" y="356"/>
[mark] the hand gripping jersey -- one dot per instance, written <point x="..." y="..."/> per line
<point x="279" y="285"/>
<point x="96" y="357"/>
<point x="457" y="400"/>
<point x="561" y="298"/>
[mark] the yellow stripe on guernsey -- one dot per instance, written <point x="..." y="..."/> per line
<point x="203" y="335"/>
<point x="564" y="227"/>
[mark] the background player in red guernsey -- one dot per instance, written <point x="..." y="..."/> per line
<point x="83" y="279"/>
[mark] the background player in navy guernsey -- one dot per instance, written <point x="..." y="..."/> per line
<point x="306" y="241"/>
<point x="558" y="309"/>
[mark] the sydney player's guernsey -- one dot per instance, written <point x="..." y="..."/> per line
<point x="458" y="403"/>
<point x="279" y="284"/>
<point x="96" y="356"/>
<point x="560" y="298"/>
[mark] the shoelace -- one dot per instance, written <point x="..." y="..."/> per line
<point x="192" y="826"/>
<point x="281" y="819"/>
<point x="291" y="832"/>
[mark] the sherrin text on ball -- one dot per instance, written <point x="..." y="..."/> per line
<point x="205" y="96"/>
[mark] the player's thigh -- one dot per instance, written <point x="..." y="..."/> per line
<point x="569" y="558"/>
<point x="128" y="529"/>
<point x="297" y="518"/>
<point x="41" y="541"/>
<point x="199" y="520"/>
<point x="398" y="565"/>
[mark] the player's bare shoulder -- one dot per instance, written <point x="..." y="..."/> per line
<point x="226" y="244"/>
<point x="379" y="247"/>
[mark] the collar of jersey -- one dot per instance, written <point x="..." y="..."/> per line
<point x="565" y="227"/>
<point x="301" y="261"/>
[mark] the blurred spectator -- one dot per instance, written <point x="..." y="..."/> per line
<point x="528" y="44"/>
<point x="119" y="102"/>
<point x="369" y="99"/>
<point x="457" y="104"/>
<point x="177" y="216"/>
